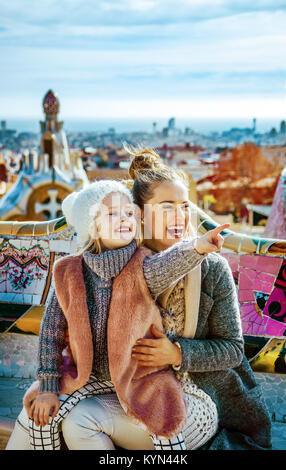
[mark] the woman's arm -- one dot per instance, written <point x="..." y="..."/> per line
<point x="224" y="346"/>
<point x="163" y="269"/>
<point x="51" y="345"/>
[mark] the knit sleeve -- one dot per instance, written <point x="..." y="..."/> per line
<point x="224" y="346"/>
<point x="51" y="345"/>
<point x="163" y="269"/>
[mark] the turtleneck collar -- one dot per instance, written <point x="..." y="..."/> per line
<point x="111" y="262"/>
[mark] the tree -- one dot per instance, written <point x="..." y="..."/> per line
<point x="246" y="160"/>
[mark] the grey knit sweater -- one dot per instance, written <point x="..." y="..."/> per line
<point x="214" y="359"/>
<point x="160" y="271"/>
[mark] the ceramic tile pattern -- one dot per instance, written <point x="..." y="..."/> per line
<point x="261" y="288"/>
<point x="24" y="266"/>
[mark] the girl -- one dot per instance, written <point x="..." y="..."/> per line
<point x="97" y="284"/>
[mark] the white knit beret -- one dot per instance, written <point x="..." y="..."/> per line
<point x="80" y="208"/>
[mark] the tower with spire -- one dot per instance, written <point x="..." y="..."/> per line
<point x="46" y="176"/>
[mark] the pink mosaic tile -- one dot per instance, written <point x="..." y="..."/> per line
<point x="245" y="295"/>
<point x="263" y="283"/>
<point x="260" y="263"/>
<point x="233" y="260"/>
<point x="258" y="281"/>
<point x="275" y="328"/>
<point x="252" y="322"/>
<point x="246" y="278"/>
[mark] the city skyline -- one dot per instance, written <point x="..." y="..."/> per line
<point x="141" y="58"/>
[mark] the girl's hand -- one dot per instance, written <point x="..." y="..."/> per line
<point x="156" y="352"/>
<point x="210" y="241"/>
<point x="42" y="406"/>
<point x="30" y="396"/>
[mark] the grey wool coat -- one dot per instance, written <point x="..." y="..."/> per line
<point x="216" y="362"/>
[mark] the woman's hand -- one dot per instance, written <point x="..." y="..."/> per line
<point x="210" y="241"/>
<point x="42" y="406"/>
<point x="156" y="352"/>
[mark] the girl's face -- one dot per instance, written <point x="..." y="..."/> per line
<point x="115" y="223"/>
<point x="166" y="215"/>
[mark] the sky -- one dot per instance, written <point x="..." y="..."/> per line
<point x="144" y="58"/>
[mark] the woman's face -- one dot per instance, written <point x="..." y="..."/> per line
<point x="166" y="215"/>
<point x="115" y="223"/>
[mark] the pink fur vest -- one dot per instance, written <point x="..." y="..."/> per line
<point x="151" y="395"/>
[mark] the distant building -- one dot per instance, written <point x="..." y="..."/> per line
<point x="171" y="123"/>
<point x="273" y="132"/>
<point x="6" y="133"/>
<point x="282" y="127"/>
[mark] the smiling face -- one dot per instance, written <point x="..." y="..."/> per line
<point x="166" y="215"/>
<point x="115" y="223"/>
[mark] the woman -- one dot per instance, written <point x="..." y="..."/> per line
<point x="211" y="341"/>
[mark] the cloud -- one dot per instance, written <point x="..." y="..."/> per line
<point x="130" y="12"/>
<point x="195" y="108"/>
<point x="142" y="49"/>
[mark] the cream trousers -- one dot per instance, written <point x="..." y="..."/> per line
<point x="94" y="423"/>
<point x="99" y="422"/>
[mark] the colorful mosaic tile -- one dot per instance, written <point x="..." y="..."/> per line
<point x="276" y="305"/>
<point x="233" y="261"/>
<point x="275" y="328"/>
<point x="281" y="278"/>
<point x="269" y="358"/>
<point x="261" y="299"/>
<point x="262" y="306"/>
<point x="246" y="295"/>
<point x="251" y="279"/>
<point x="252" y="322"/>
<point x="260" y="263"/>
<point x="23" y="267"/>
<point x="256" y="323"/>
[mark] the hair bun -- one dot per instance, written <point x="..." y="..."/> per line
<point x="142" y="159"/>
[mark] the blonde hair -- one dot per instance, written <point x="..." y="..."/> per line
<point x="93" y="245"/>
